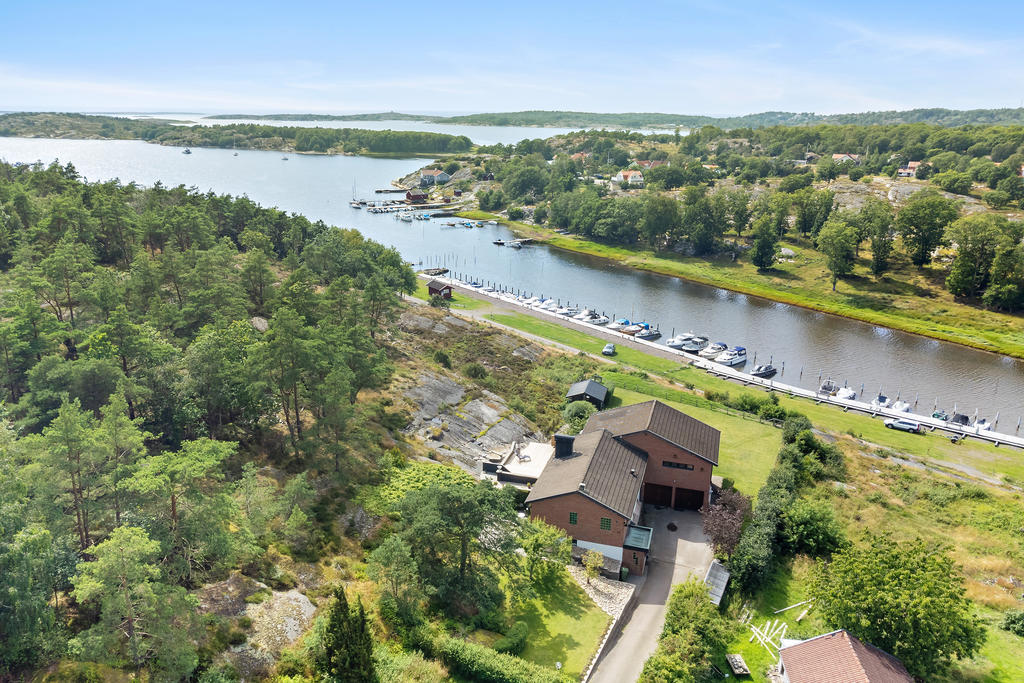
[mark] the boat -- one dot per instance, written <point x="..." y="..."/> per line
<point x="584" y="315"/>
<point x="764" y="371"/>
<point x="960" y="419"/>
<point x="846" y="394"/>
<point x="284" y="158"/>
<point x="648" y="333"/>
<point x="500" y="243"/>
<point x="186" y="151"/>
<point x="235" y="154"/>
<point x="981" y="424"/>
<point x="619" y="324"/>
<point x="941" y="415"/>
<point x="737" y="355"/>
<point x="713" y="350"/>
<point x="679" y="341"/>
<point x="550" y="305"/>
<point x="828" y="387"/>
<point x="600" y="320"/>
<point x="880" y="401"/>
<point x="355" y="205"/>
<point x="405" y="217"/>
<point x="568" y="311"/>
<point x="695" y="344"/>
<point x="515" y="244"/>
<point x="901" y="406"/>
<point x="634" y="328"/>
<point x="492" y="222"/>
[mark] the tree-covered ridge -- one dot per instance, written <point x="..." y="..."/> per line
<point x="570" y="119"/>
<point x="241" y="136"/>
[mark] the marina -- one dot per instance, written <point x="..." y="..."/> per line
<point x="762" y="376"/>
<point x="321" y="187"/>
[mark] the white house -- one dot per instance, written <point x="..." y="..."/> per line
<point x="631" y="178"/>
<point x="433" y="176"/>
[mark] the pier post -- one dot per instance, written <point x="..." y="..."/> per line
<point x="915" y="398"/>
<point x="801" y="372"/>
<point x="1018" y="423"/>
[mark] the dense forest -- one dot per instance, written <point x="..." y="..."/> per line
<point x="570" y="119"/>
<point x="241" y="136"/>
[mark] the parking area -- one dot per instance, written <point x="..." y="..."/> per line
<point x="675" y="554"/>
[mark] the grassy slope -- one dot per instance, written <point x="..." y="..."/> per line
<point x="457" y="302"/>
<point x="565" y="626"/>
<point x="908" y="298"/>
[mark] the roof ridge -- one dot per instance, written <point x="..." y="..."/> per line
<point x="602" y="433"/>
<point x="848" y="639"/>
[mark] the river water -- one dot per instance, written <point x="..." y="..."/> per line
<point x="815" y="343"/>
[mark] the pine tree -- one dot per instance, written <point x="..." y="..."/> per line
<point x="348" y="646"/>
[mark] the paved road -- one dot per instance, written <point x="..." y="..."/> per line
<point x="674" y="556"/>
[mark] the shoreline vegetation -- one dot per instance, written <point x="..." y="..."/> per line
<point x="241" y="136"/>
<point x="568" y="119"/>
<point x="963" y="328"/>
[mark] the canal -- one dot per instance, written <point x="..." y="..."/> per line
<point x="809" y="343"/>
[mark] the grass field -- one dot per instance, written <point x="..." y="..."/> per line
<point x="565" y="625"/>
<point x="908" y="298"/>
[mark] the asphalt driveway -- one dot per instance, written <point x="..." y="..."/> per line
<point x="674" y="556"/>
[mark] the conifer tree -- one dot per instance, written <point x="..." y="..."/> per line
<point x="348" y="647"/>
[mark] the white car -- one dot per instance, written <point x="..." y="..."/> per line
<point x="904" y="425"/>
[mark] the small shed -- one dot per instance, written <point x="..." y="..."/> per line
<point x="415" y="196"/>
<point x="438" y="288"/>
<point x="589" y="390"/>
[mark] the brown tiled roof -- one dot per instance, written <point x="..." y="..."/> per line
<point x="437" y="284"/>
<point x="603" y="465"/>
<point x="432" y="171"/>
<point x="839" y="657"/>
<point x="663" y="421"/>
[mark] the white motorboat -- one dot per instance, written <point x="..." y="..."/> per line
<point x="539" y="303"/>
<point x="846" y="394"/>
<point x="679" y="341"/>
<point x="695" y="344"/>
<point x="713" y="350"/>
<point x="568" y="311"/>
<point x="648" y="333"/>
<point x="619" y="324"/>
<point x="492" y="222"/>
<point x="407" y="218"/>
<point x="530" y="301"/>
<point x="551" y="306"/>
<point x="515" y="244"/>
<point x="585" y="315"/>
<point x="734" y="356"/>
<point x="634" y="328"/>
<point x="828" y="387"/>
<point x="901" y="406"/>
<point x="600" y="320"/>
<point x="880" y="401"/>
<point x="981" y="424"/>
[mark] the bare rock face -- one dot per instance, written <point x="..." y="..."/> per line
<point x="227" y="598"/>
<point x="277" y="622"/>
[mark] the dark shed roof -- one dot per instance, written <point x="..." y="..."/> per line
<point x="611" y="473"/>
<point x="437" y="284"/>
<point x="589" y="387"/>
<point x="663" y="421"/>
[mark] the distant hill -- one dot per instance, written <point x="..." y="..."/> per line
<point x="572" y="119"/>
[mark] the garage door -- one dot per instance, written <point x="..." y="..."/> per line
<point x="689" y="499"/>
<point x="656" y="494"/>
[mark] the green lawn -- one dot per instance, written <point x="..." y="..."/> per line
<point x="565" y="626"/>
<point x="464" y="303"/>
<point x="985" y="458"/>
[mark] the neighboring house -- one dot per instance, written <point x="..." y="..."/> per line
<point x="811" y="157"/>
<point x="631" y="178"/>
<point x="580" y="156"/>
<point x="438" y="288"/>
<point x="644" y="163"/>
<point x="594" y="486"/>
<point x="590" y="391"/>
<point x="908" y="170"/>
<point x="433" y="176"/>
<point x="415" y="196"/>
<point x="487" y="176"/>
<point x="846" y="158"/>
<point x="839" y="657"/>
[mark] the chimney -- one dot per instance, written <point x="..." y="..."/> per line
<point x="583" y="486"/>
<point x="633" y="472"/>
<point x="563" y="445"/>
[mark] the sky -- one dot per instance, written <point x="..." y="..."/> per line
<point x="701" y="57"/>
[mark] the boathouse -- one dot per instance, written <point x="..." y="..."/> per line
<point x="415" y="196"/>
<point x="438" y="288"/>
<point x="590" y="391"/>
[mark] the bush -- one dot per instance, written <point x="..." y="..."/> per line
<point x="793" y="425"/>
<point x="482" y="664"/>
<point x="515" y="214"/>
<point x="997" y="199"/>
<point x="953" y="181"/>
<point x="797" y="181"/>
<point x="577" y="413"/>
<point x="754" y="557"/>
<point x="811" y="527"/>
<point x="475" y="371"/>
<point x="1013" y="622"/>
<point x="856" y="173"/>
<point x="442" y="358"/>
<point x="514" y="641"/>
<point x="440" y="302"/>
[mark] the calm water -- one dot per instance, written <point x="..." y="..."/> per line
<point x="481" y="135"/>
<point x="321" y="187"/>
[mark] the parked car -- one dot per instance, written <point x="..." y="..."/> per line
<point x="905" y="425"/>
<point x="608" y="350"/>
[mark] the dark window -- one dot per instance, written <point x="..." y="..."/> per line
<point x="677" y="465"/>
<point x="636" y="560"/>
<point x="572" y="518"/>
<point x="606" y="523"/>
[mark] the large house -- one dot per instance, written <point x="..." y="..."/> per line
<point x="596" y="484"/>
<point x="631" y="178"/>
<point x="433" y="176"/>
<point x="909" y="170"/>
<point x="847" y="158"/>
<point x="839" y="657"/>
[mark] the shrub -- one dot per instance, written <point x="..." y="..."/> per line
<point x="953" y="181"/>
<point x="856" y="173"/>
<point x="695" y="634"/>
<point x="797" y="181"/>
<point x="772" y="411"/>
<point x="811" y="527"/>
<point x="440" y="302"/>
<point x="1013" y="622"/>
<point x="754" y="557"/>
<point x="442" y="358"/>
<point x="475" y="371"/>
<point x="515" y="214"/>
<point x="793" y="425"/>
<point x="482" y="664"/>
<point x="997" y="199"/>
<point x="577" y="413"/>
<point x="514" y="641"/>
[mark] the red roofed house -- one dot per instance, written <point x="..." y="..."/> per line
<point x="580" y="156"/>
<point x="839" y="657"/>
<point x="650" y="164"/>
<point x="908" y="170"/>
<point x="631" y="178"/>
<point x="842" y="158"/>
<point x="433" y="176"/>
<point x="596" y="484"/>
<point x="415" y="196"/>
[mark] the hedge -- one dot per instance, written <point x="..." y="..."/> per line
<point x="484" y="665"/>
